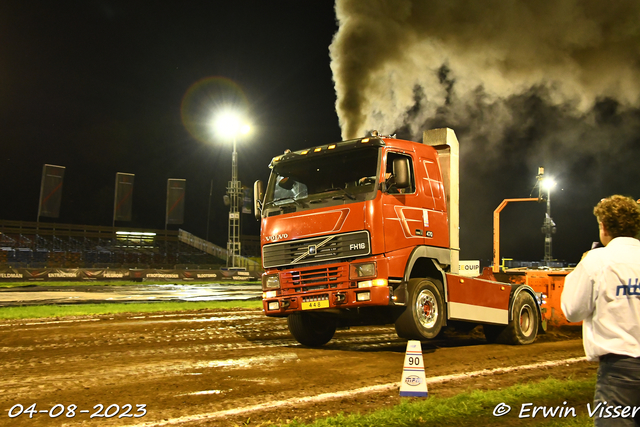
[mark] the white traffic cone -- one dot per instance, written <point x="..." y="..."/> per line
<point x="414" y="382"/>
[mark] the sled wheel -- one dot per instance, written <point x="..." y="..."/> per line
<point x="523" y="328"/>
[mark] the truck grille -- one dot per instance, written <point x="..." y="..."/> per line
<point x="316" y="249"/>
<point x="318" y="278"/>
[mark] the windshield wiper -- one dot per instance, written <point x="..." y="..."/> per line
<point x="282" y="199"/>
<point x="345" y="192"/>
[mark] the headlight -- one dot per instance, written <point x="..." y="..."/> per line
<point x="273" y="305"/>
<point x="364" y="270"/>
<point x="269" y="294"/>
<point x="371" y="283"/>
<point x="363" y="296"/>
<point x="271" y="281"/>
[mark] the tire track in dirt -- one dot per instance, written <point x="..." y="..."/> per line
<point x="203" y="362"/>
<point x="350" y="393"/>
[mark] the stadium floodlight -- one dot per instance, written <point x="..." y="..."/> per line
<point x="548" y="184"/>
<point x="229" y="125"/>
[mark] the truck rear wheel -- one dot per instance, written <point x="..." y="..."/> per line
<point x="311" y="329"/>
<point x="523" y="328"/>
<point x="423" y="316"/>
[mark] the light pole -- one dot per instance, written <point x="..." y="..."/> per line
<point x="548" y="226"/>
<point x="230" y="125"/>
<point x="209" y="209"/>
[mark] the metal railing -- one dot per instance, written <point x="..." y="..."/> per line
<point x="217" y="251"/>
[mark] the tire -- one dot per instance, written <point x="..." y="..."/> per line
<point x="422" y="318"/>
<point x="523" y="328"/>
<point x="311" y="329"/>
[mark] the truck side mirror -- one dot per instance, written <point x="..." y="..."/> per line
<point x="258" y="197"/>
<point x="401" y="173"/>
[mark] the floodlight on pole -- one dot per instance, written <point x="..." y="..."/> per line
<point x="548" y="184"/>
<point x="229" y="125"/>
<point x="548" y="226"/>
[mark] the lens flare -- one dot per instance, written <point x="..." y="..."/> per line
<point x="204" y="98"/>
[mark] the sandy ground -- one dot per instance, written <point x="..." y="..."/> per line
<point x="215" y="367"/>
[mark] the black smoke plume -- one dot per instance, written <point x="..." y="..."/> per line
<point x="552" y="82"/>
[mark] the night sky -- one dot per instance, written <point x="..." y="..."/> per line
<point x="111" y="86"/>
<point x="98" y="87"/>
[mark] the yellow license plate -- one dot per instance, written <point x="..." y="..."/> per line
<point x="315" y="304"/>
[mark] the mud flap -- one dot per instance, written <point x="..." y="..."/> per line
<point x="542" y="327"/>
<point x="401" y="294"/>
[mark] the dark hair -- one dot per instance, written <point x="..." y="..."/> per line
<point x="620" y="215"/>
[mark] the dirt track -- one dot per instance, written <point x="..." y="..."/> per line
<point x="188" y="367"/>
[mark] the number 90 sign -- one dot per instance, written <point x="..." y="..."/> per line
<point x="414" y="361"/>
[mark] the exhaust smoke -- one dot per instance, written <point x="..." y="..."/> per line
<point x="522" y="83"/>
<point x="400" y="63"/>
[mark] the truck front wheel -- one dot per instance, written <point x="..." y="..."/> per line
<point x="523" y="328"/>
<point x="311" y="329"/>
<point x="423" y="316"/>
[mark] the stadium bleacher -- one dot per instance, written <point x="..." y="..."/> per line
<point x="39" y="245"/>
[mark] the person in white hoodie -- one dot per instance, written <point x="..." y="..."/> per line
<point x="604" y="293"/>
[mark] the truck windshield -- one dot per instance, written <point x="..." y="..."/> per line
<point x="322" y="180"/>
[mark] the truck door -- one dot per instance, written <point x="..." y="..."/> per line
<point x="403" y="217"/>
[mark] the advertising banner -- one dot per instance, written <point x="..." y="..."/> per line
<point x="51" y="191"/>
<point x="8" y="274"/>
<point x="40" y="273"/>
<point x="200" y="274"/>
<point x="123" y="200"/>
<point x="105" y="273"/>
<point x="162" y="274"/>
<point x="175" y="200"/>
<point x="469" y="268"/>
<point x="11" y="274"/>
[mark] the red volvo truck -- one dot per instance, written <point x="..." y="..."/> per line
<point x="366" y="232"/>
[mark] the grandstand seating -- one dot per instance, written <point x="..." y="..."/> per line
<point x="39" y="245"/>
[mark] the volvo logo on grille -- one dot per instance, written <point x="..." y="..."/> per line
<point x="276" y="237"/>
<point x="315" y="249"/>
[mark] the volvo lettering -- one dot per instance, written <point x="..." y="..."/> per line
<point x="277" y="237"/>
